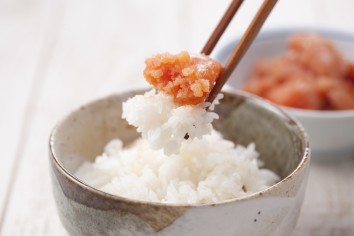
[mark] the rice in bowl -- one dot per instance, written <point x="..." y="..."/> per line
<point x="205" y="168"/>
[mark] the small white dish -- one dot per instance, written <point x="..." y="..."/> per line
<point x="329" y="131"/>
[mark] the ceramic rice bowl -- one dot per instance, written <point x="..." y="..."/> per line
<point x="83" y="210"/>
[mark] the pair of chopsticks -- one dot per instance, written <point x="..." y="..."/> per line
<point x="243" y="45"/>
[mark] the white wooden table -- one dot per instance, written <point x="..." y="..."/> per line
<point x="56" y="55"/>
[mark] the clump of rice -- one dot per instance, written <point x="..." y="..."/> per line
<point x="164" y="124"/>
<point x="206" y="170"/>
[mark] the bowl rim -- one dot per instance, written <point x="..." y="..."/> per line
<point x="280" y="33"/>
<point x="305" y="159"/>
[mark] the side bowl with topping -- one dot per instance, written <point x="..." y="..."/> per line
<point x="320" y="93"/>
<point x="84" y="210"/>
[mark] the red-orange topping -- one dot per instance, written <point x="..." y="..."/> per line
<point x="189" y="79"/>
<point x="311" y="74"/>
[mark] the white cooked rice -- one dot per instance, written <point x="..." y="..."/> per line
<point x="164" y="124"/>
<point x="207" y="170"/>
<point x="162" y="166"/>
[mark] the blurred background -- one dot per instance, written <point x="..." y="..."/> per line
<point x="56" y="55"/>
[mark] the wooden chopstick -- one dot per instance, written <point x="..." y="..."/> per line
<point x="242" y="46"/>
<point x="221" y="27"/>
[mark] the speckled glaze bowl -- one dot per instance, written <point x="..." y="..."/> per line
<point x="84" y="210"/>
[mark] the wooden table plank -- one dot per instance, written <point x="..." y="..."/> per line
<point x="328" y="209"/>
<point x="21" y="38"/>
